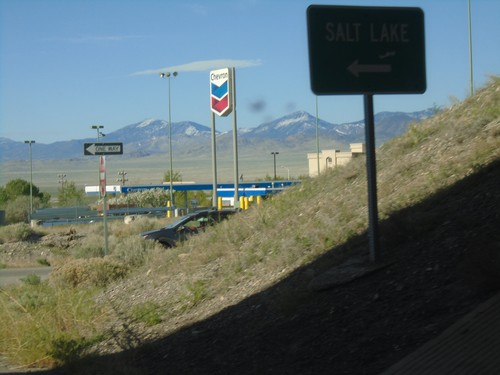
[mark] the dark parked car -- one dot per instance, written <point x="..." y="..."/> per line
<point x="186" y="226"/>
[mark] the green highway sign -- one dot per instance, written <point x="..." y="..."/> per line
<point x="103" y="148"/>
<point x="366" y="50"/>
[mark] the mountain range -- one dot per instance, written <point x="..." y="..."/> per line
<point x="296" y="131"/>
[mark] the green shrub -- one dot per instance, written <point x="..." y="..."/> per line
<point x="134" y="252"/>
<point x="17" y="232"/>
<point x="65" y="349"/>
<point x="43" y="262"/>
<point x="32" y="279"/>
<point x="34" y="295"/>
<point x="44" y="325"/>
<point x="137" y="226"/>
<point x="93" y="272"/>
<point x="88" y="251"/>
<point x="148" y="313"/>
<point x="17" y="209"/>
<point x="198" y="291"/>
<point x="91" y="244"/>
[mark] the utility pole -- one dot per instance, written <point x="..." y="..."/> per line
<point x="122" y="178"/>
<point x="62" y="179"/>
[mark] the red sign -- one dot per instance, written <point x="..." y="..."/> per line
<point x="102" y="175"/>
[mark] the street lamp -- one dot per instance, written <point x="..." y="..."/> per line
<point x="98" y="128"/>
<point x="168" y="75"/>
<point x="30" y="142"/>
<point x="288" y="172"/>
<point x="274" y="153"/>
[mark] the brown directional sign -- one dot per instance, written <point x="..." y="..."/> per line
<point x="366" y="50"/>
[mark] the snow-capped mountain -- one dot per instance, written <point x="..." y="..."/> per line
<point x="301" y="126"/>
<point x="295" y="131"/>
<point x="151" y="136"/>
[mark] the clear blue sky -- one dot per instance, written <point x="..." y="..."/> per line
<point x="67" y="65"/>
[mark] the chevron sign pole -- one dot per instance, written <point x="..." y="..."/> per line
<point x="222" y="103"/>
<point x="221" y="98"/>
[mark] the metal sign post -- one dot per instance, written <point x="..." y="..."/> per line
<point x="222" y="103"/>
<point x="367" y="50"/>
<point x="371" y="174"/>
<point x="235" y="143"/>
<point x="214" y="162"/>
<point x="103" y="149"/>
<point x="102" y="183"/>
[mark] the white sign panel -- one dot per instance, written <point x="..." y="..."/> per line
<point x="221" y="90"/>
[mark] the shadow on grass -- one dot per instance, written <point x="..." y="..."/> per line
<point x="444" y="255"/>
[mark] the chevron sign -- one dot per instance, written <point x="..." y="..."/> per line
<point x="221" y="101"/>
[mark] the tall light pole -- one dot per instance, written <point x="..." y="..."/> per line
<point x="168" y="75"/>
<point x="288" y="172"/>
<point x="30" y="142"/>
<point x="470" y="50"/>
<point x="317" y="134"/>
<point x="274" y="153"/>
<point x="99" y="134"/>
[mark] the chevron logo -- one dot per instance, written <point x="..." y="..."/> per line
<point x="220" y="105"/>
<point x="220" y="91"/>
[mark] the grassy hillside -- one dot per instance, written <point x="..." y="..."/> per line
<point x="296" y="227"/>
<point x="237" y="298"/>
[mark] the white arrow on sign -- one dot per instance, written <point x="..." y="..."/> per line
<point x="355" y="68"/>
<point x="91" y="149"/>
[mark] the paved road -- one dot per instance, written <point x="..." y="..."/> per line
<point x="14" y="275"/>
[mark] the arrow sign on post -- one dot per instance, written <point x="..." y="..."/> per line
<point x="103" y="148"/>
<point x="366" y="50"/>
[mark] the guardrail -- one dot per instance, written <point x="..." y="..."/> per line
<point x="85" y="215"/>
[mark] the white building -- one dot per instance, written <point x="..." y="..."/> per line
<point x="333" y="158"/>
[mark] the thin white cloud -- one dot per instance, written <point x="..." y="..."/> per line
<point x="93" y="38"/>
<point x="199" y="9"/>
<point x="202" y="66"/>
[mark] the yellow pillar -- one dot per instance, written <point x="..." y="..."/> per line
<point x="259" y="199"/>
<point x="169" y="212"/>
<point x="219" y="203"/>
